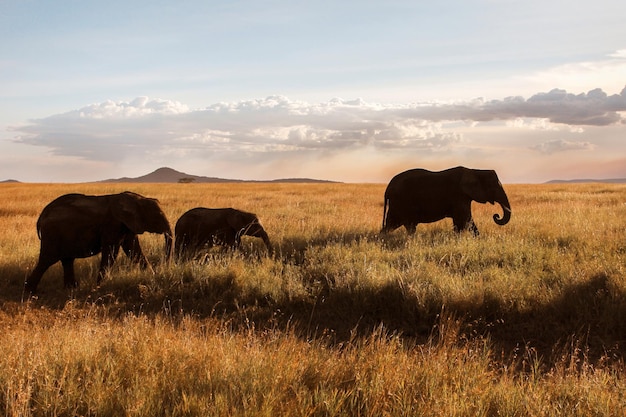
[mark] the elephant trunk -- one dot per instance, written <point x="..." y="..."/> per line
<point x="267" y="242"/>
<point x="506" y="208"/>
<point x="168" y="245"/>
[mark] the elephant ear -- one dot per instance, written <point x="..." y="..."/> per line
<point x="127" y="209"/>
<point x="472" y="186"/>
<point x="238" y="220"/>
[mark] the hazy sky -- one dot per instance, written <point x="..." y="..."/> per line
<point x="343" y="90"/>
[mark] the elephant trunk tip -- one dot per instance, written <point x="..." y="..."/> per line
<point x="504" y="219"/>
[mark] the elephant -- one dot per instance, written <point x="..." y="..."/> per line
<point x="79" y="226"/>
<point x="200" y="227"/>
<point x="422" y="196"/>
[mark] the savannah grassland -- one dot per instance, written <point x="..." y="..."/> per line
<point x="527" y="319"/>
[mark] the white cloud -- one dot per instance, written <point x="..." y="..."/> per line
<point x="533" y="124"/>
<point x="139" y="107"/>
<point x="606" y="73"/>
<point x="620" y="54"/>
<point x="273" y="124"/>
<point x="542" y="125"/>
<point x="264" y="131"/>
<point x="561" y="145"/>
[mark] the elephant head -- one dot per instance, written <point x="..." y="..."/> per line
<point x="248" y="224"/>
<point x="483" y="186"/>
<point x="141" y="214"/>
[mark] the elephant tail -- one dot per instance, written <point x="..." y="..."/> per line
<point x="385" y="213"/>
<point x="39" y="229"/>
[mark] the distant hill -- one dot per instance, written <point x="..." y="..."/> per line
<point x="9" y="182"/>
<point x="169" y="175"/>
<point x="579" y="181"/>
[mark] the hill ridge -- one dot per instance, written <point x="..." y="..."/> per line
<point x="589" y="180"/>
<point x="170" y="175"/>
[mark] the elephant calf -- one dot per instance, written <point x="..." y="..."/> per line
<point x="79" y="226"/>
<point x="204" y="227"/>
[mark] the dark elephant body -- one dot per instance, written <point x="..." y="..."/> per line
<point x="203" y="227"/>
<point x="79" y="226"/>
<point x="421" y="196"/>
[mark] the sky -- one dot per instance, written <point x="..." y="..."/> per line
<point x="352" y="91"/>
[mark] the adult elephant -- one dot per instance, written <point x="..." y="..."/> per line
<point x="79" y="226"/>
<point x="421" y="196"/>
<point x="203" y="227"/>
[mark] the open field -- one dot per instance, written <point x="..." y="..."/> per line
<point x="527" y="319"/>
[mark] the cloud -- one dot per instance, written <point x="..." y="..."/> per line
<point x="594" y="108"/>
<point x="607" y="72"/>
<point x="619" y="54"/>
<point x="114" y="131"/>
<point x="139" y="107"/>
<point x="273" y="124"/>
<point x="560" y="145"/>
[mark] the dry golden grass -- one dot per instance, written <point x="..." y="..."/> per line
<point x="527" y="319"/>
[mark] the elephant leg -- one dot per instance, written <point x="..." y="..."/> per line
<point x="180" y="246"/>
<point x="187" y="246"/>
<point x="109" y="253"/>
<point x="69" y="280"/>
<point x="42" y="266"/>
<point x="188" y="251"/>
<point x="388" y="227"/>
<point x="465" y="223"/>
<point x="132" y="249"/>
<point x="410" y="228"/>
<point x="459" y="224"/>
<point x="391" y="223"/>
<point x="229" y="238"/>
<point x="471" y="226"/>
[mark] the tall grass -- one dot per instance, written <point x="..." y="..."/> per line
<point x="527" y="319"/>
